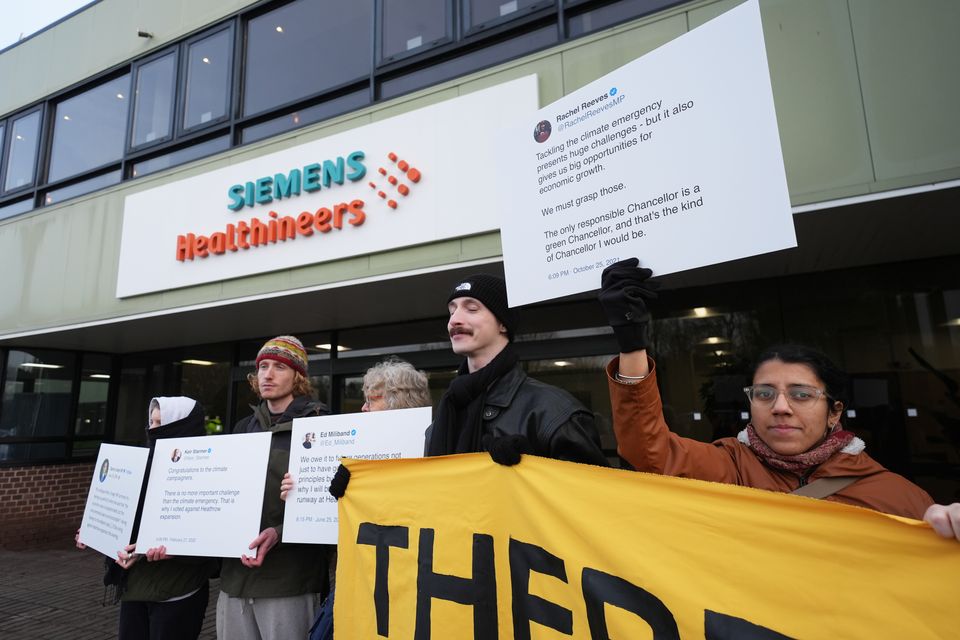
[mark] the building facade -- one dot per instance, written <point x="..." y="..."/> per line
<point x="121" y="99"/>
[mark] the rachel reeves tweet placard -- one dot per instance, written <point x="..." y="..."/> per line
<point x="674" y="158"/>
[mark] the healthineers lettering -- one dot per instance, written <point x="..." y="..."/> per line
<point x="480" y="591"/>
<point x="257" y="233"/>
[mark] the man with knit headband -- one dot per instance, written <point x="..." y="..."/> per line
<point x="492" y="404"/>
<point x="273" y="596"/>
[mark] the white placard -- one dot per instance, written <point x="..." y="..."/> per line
<point x="205" y="495"/>
<point x="414" y="178"/>
<point x="674" y="158"/>
<point x="113" y="497"/>
<point x="317" y="444"/>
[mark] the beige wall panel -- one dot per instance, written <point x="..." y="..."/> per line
<point x="909" y="59"/>
<point x="12" y="264"/>
<point x="90" y="276"/>
<point x="696" y="17"/>
<point x="549" y="70"/>
<point x="255" y="285"/>
<point x="96" y="39"/>
<point x="324" y="273"/>
<point x="586" y="62"/>
<point x="431" y="255"/>
<point x="486" y="245"/>
<point x="41" y="298"/>
<point x="415" y="101"/>
<point x="177" y="297"/>
<point x="817" y="95"/>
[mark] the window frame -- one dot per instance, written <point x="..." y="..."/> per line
<point x="183" y="77"/>
<point x="378" y="20"/>
<point x="470" y="30"/>
<point x="37" y="151"/>
<point x="129" y="146"/>
<point x="48" y="132"/>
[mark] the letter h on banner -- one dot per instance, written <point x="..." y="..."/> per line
<point x="479" y="591"/>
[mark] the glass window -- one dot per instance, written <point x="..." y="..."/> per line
<point x="412" y="24"/>
<point x="37" y="394"/>
<point x="2" y="129"/>
<point x="80" y="188"/>
<point x="614" y="13"/>
<point x="209" y="64"/>
<point x="192" y="152"/>
<point x="403" y="340"/>
<point x="303" y="117"/>
<point x="88" y="129"/>
<point x="92" y="402"/>
<point x="33" y="451"/>
<point x="153" y="95"/>
<point x="483" y="13"/>
<point x="470" y="62"/>
<point x="304" y="48"/>
<point x="21" y="206"/>
<point x="205" y="376"/>
<point x="22" y="151"/>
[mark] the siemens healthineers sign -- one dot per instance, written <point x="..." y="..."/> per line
<point x="411" y="179"/>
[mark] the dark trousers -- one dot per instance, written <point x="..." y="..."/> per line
<point x="177" y="620"/>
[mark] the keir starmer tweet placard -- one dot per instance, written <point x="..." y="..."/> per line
<point x="205" y="495"/>
<point x="674" y="158"/>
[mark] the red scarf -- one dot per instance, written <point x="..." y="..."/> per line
<point x="801" y="462"/>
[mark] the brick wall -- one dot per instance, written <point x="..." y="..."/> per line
<point x="42" y="504"/>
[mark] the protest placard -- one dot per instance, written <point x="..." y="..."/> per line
<point x="674" y="158"/>
<point x="113" y="497"/>
<point x="205" y="494"/>
<point x="319" y="443"/>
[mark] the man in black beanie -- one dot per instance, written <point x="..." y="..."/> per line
<point x="492" y="403"/>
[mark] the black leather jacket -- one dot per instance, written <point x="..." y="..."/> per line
<point x="554" y="422"/>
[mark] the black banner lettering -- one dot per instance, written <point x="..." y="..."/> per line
<point x="601" y="588"/>
<point x="382" y="537"/>
<point x="480" y="591"/>
<point x="527" y="607"/>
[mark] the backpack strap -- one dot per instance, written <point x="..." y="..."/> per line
<point x="823" y="487"/>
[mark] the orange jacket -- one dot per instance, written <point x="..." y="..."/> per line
<point x="645" y="441"/>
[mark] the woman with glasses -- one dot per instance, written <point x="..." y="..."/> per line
<point x="794" y="438"/>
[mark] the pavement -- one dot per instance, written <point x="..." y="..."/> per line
<point x="58" y="593"/>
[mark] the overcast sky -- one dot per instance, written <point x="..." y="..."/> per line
<point x="29" y="16"/>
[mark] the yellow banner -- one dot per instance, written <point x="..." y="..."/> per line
<point x="460" y="547"/>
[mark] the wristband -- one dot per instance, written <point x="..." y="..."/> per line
<point x="629" y="379"/>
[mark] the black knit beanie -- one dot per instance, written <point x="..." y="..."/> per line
<point x="492" y="292"/>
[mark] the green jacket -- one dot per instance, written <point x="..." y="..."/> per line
<point x="178" y="576"/>
<point x="289" y="569"/>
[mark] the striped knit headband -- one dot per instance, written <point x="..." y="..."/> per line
<point x="285" y="349"/>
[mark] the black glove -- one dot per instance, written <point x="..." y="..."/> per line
<point x="624" y="290"/>
<point x="338" y="486"/>
<point x="506" y="450"/>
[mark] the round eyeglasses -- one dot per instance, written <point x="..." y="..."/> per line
<point x="797" y="395"/>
